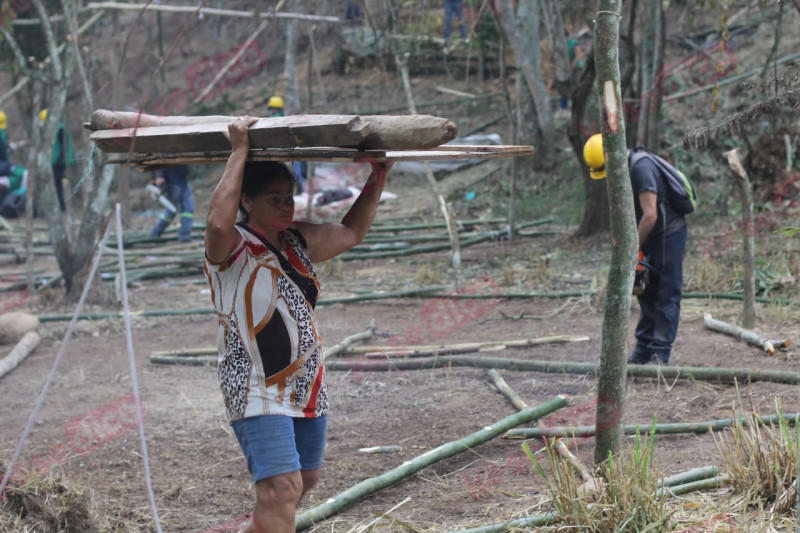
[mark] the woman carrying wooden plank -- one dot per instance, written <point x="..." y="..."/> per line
<point x="264" y="287"/>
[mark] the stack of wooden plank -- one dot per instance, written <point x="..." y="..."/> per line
<point x="151" y="141"/>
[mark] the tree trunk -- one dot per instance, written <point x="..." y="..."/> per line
<point x="522" y="32"/>
<point x="652" y="60"/>
<point x="554" y="22"/>
<point x="748" y="238"/>
<point x="292" y="87"/>
<point x="595" y="211"/>
<point x="611" y="379"/>
<point x="72" y="256"/>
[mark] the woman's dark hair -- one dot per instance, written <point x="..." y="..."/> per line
<point x="258" y="175"/>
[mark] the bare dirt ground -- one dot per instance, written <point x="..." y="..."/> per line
<point x="87" y="431"/>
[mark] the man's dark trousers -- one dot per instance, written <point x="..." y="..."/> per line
<point x="661" y="304"/>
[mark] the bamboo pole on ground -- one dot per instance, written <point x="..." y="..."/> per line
<point x="749" y="337"/>
<point x="559" y="445"/>
<point x="748" y="237"/>
<point x="695" y="474"/>
<point x="185" y="360"/>
<point x="504" y="389"/>
<point x="694" y="486"/>
<point x="345" y="343"/>
<point x="424" y="249"/>
<point x="19" y="352"/>
<point x="719" y="375"/>
<point x="563" y="451"/>
<point x="408" y="468"/>
<point x="385" y="228"/>
<point x="465" y="347"/>
<point x="707" y="426"/>
<point x="348" y="349"/>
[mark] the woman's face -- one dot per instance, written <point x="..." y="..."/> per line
<point x="272" y="209"/>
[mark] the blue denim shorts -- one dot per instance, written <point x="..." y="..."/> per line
<point x="278" y="444"/>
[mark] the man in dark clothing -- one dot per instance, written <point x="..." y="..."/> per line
<point x="175" y="180"/>
<point x="61" y="157"/>
<point x="662" y="242"/>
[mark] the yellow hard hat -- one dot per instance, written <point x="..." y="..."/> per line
<point x="3" y="120"/>
<point x="43" y="115"/>
<point x="594" y="157"/>
<point x="275" y="101"/>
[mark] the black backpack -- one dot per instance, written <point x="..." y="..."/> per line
<point x="681" y="193"/>
<point x="13" y="205"/>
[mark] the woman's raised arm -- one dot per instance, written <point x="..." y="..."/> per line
<point x="326" y="241"/>
<point x="221" y="235"/>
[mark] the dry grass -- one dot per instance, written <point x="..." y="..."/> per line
<point x="622" y="499"/>
<point x="761" y="462"/>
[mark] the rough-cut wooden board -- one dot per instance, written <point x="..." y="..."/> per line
<point x="304" y="130"/>
<point x="120" y="132"/>
<point x="155" y="161"/>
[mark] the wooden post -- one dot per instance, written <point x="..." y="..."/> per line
<point x="748" y="238"/>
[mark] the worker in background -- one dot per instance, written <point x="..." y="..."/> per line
<point x="275" y="109"/>
<point x="62" y="156"/>
<point x="662" y="242"/>
<point x="175" y="181"/>
<point x="3" y="138"/>
<point x="576" y="62"/>
<point x="453" y="7"/>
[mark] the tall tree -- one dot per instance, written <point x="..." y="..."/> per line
<point x="554" y="22"/>
<point x="651" y="64"/>
<point x="611" y="378"/>
<point x="521" y="29"/>
<point x="72" y="253"/>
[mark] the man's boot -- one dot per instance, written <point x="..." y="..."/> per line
<point x="185" y="231"/>
<point x="159" y="228"/>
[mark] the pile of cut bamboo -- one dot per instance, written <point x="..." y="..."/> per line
<point x="152" y="142"/>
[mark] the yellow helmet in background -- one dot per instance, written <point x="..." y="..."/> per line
<point x="3" y="120"/>
<point x="43" y="115"/>
<point x="594" y="157"/>
<point x="275" y="101"/>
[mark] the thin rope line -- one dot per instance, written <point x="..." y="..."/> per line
<point x="61" y="351"/>
<point x="134" y="379"/>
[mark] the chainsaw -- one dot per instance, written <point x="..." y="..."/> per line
<point x="158" y="195"/>
<point x="643" y="277"/>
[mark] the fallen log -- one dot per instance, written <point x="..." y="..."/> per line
<point x="19" y="352"/>
<point x="748" y="336"/>
<point x="122" y="132"/>
<point x="372" y="485"/>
